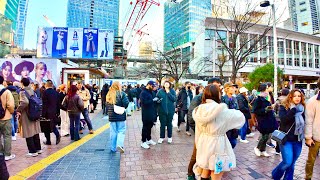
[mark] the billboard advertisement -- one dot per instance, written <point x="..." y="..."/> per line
<point x="74" y="48"/>
<point x="44" y="44"/>
<point x="105" y="48"/>
<point x="90" y="43"/>
<point x="59" y="42"/>
<point x="36" y="70"/>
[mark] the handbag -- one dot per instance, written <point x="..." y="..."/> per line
<point x="118" y="109"/>
<point x="280" y="136"/>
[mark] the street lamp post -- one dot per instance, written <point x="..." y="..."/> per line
<point x="275" y="46"/>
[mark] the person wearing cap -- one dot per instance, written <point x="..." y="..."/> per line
<point x="244" y="108"/>
<point x="149" y="113"/>
<point x="232" y="103"/>
<point x="24" y="69"/>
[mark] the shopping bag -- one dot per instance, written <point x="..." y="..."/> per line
<point x="175" y="120"/>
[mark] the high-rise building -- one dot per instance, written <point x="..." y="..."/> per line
<point x="183" y="21"/>
<point x="102" y="14"/>
<point x="305" y="15"/>
<point x="21" y="23"/>
<point x="9" y="8"/>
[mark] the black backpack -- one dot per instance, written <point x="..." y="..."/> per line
<point x="35" y="107"/>
<point x="2" y="111"/>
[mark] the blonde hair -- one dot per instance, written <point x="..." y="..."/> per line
<point x="112" y="94"/>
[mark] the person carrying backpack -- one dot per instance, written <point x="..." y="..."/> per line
<point x="14" y="121"/>
<point x="29" y="127"/>
<point x="6" y="111"/>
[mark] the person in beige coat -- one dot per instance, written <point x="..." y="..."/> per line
<point x="85" y="96"/>
<point x="214" y="152"/>
<point x="28" y="129"/>
<point x="312" y="133"/>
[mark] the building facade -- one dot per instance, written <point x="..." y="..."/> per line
<point x="21" y="23"/>
<point x="305" y="15"/>
<point x="103" y="14"/>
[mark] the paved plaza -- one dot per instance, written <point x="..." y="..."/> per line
<point x="90" y="158"/>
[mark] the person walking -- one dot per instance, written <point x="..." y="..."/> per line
<point x="65" y="122"/>
<point x="74" y="105"/>
<point x="104" y="92"/>
<point x="116" y="97"/>
<point x="184" y="99"/>
<point x="312" y="133"/>
<point x="28" y="129"/>
<point x="138" y="89"/>
<point x="14" y="121"/>
<point x="149" y="113"/>
<point x="244" y="108"/>
<point x="292" y="121"/>
<point x="84" y="94"/>
<point x="7" y="109"/>
<point x="167" y="98"/>
<point x="230" y="99"/>
<point x="214" y="151"/>
<point x="263" y="111"/>
<point x="50" y="111"/>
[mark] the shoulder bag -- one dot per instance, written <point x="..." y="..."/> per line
<point x="279" y="136"/>
<point x="118" y="109"/>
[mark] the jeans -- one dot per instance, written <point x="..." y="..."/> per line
<point x="74" y="126"/>
<point x="313" y="152"/>
<point x="55" y="131"/>
<point x="14" y="124"/>
<point x="5" y="132"/>
<point x="138" y="104"/>
<point x="4" y="174"/>
<point x="290" y="152"/>
<point x="243" y="130"/>
<point x="33" y="143"/>
<point x="193" y="161"/>
<point x="181" y="115"/>
<point x="262" y="142"/>
<point x="85" y="114"/>
<point x="146" y="131"/>
<point x="117" y="134"/>
<point x="165" y="120"/>
<point x="233" y="142"/>
<point x="135" y="103"/>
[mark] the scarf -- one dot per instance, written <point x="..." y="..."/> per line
<point x="299" y="130"/>
<point x="264" y="94"/>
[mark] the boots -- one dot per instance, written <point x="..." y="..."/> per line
<point x="102" y="53"/>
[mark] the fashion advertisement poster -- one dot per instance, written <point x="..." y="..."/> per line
<point x="90" y="43"/>
<point x="44" y="44"/>
<point x="36" y="70"/>
<point x="105" y="48"/>
<point x="59" y="42"/>
<point x="75" y="38"/>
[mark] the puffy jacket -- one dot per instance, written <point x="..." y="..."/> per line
<point x="121" y="100"/>
<point x="167" y="103"/>
<point x="244" y="106"/>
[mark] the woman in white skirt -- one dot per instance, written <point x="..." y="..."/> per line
<point x="65" y="124"/>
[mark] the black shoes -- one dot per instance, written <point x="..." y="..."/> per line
<point x="46" y="143"/>
<point x="58" y="140"/>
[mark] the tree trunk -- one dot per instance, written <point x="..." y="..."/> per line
<point x="221" y="72"/>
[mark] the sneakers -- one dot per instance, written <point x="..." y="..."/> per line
<point x="178" y="130"/>
<point x="145" y="145"/>
<point x="187" y="133"/>
<point x="14" y="138"/>
<point x="39" y="151"/>
<point x="169" y="140"/>
<point x="8" y="158"/>
<point x="160" y="141"/>
<point x="265" y="154"/>
<point x="32" y="154"/>
<point x="244" y="141"/>
<point x="151" y="142"/>
<point x="251" y="135"/>
<point x="120" y="149"/>
<point x="257" y="152"/>
<point x="271" y="145"/>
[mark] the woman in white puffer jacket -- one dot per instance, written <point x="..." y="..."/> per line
<point x="213" y="120"/>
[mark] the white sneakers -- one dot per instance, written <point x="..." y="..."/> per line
<point x="259" y="153"/>
<point x="188" y="133"/>
<point x="145" y="145"/>
<point x="151" y="142"/>
<point x="265" y="154"/>
<point x="32" y="154"/>
<point x="160" y="141"/>
<point x="178" y="129"/>
<point x="250" y="135"/>
<point x="14" y="138"/>
<point x="7" y="158"/>
<point x="244" y="141"/>
<point x="120" y="149"/>
<point x="169" y="140"/>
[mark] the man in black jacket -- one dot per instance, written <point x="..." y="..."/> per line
<point x="149" y="113"/>
<point x="104" y="92"/>
<point x="196" y="101"/>
<point x="184" y="99"/>
<point x="50" y="109"/>
<point x="138" y="89"/>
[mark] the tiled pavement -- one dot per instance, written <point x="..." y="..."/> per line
<point x="170" y="161"/>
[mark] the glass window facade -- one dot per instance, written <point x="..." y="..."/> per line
<point x="21" y="23"/>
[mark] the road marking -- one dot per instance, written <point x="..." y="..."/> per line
<point x="42" y="164"/>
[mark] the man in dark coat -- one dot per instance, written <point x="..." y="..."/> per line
<point x="104" y="92"/>
<point x="149" y="113"/>
<point x="138" y="89"/>
<point x="50" y="109"/>
<point x="184" y="99"/>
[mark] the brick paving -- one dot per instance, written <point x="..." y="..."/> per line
<point x="170" y="161"/>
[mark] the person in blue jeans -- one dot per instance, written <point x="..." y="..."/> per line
<point x="117" y="120"/>
<point x="244" y="108"/>
<point x="292" y="122"/>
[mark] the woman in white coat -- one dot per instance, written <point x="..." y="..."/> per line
<point x="214" y="152"/>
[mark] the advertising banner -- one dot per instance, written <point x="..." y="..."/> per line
<point x="44" y="44"/>
<point x="59" y="42"/>
<point x="75" y="39"/>
<point x="105" y="48"/>
<point x="36" y="70"/>
<point x="90" y="43"/>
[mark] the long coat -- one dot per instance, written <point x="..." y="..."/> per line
<point x="149" y="111"/>
<point x="244" y="106"/>
<point x="167" y="103"/>
<point x="27" y="128"/>
<point x="51" y="106"/>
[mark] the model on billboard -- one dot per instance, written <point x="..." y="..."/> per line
<point x="106" y="46"/>
<point x="60" y="45"/>
<point x="44" y="39"/>
<point x="42" y="71"/>
<point x="23" y="70"/>
<point x="6" y="71"/>
<point x="74" y="46"/>
<point x="90" y="44"/>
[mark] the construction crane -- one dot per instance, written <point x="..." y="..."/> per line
<point x="49" y="21"/>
